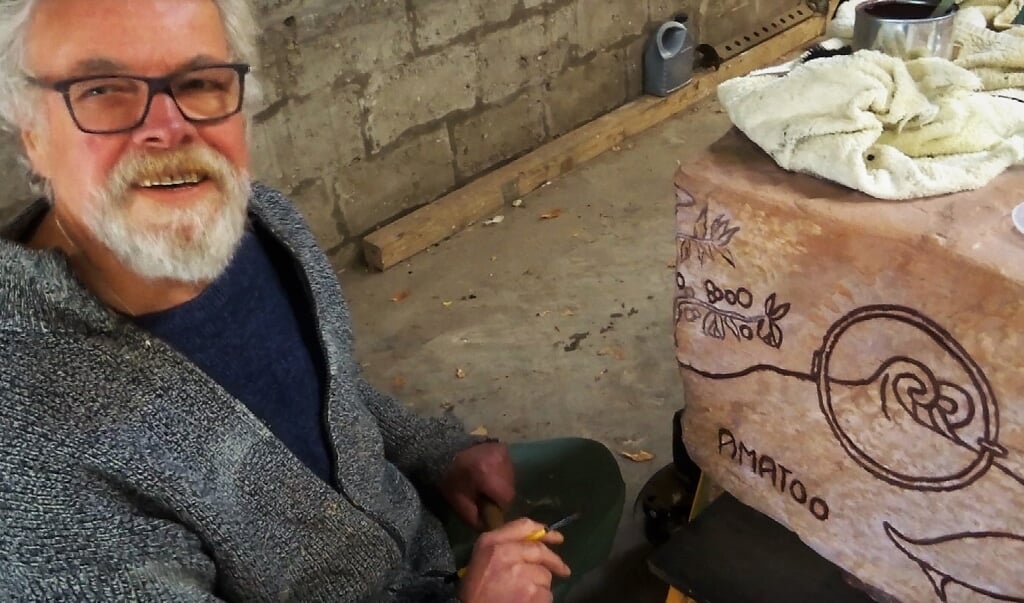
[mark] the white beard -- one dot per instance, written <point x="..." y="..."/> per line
<point x="193" y="244"/>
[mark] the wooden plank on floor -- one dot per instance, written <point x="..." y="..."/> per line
<point x="486" y="196"/>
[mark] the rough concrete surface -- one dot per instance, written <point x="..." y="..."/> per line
<point x="560" y="326"/>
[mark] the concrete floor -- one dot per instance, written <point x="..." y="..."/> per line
<point x="559" y="327"/>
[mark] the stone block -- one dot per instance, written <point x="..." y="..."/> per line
<point x="852" y="369"/>
<point x="519" y="56"/>
<point x="603" y="23"/>
<point x="414" y="173"/>
<point x="725" y="20"/>
<point x="316" y="66"/>
<point x="498" y="133"/>
<point x="273" y="73"/>
<point x="346" y="255"/>
<point x="560" y="24"/>
<point x="271" y="154"/>
<point x="326" y="130"/>
<point x="662" y="10"/>
<point x="420" y="92"/>
<point x="305" y="138"/>
<point x="584" y="92"/>
<point x="269" y="12"/>
<point x="319" y="206"/>
<point x="634" y="54"/>
<point x="359" y="38"/>
<point x="496" y="11"/>
<point x="437" y="22"/>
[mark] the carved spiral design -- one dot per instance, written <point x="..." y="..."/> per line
<point x="938" y="405"/>
<point x="949" y="409"/>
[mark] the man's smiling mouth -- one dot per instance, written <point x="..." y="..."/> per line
<point x="172" y="181"/>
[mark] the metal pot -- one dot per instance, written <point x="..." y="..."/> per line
<point x="904" y="29"/>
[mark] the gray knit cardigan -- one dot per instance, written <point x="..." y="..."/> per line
<point x="127" y="474"/>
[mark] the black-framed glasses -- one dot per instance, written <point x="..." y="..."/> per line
<point x="112" y="104"/>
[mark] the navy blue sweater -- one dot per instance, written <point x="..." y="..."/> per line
<point x="252" y="332"/>
<point x="127" y="474"/>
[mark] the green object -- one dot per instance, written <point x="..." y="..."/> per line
<point x="1019" y="19"/>
<point x="555" y="478"/>
<point x="942" y="8"/>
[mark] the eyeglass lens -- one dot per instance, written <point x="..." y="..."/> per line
<point x="110" y="104"/>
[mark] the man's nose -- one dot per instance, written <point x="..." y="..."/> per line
<point x="165" y="127"/>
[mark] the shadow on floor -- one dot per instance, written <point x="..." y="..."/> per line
<point x="625" y="577"/>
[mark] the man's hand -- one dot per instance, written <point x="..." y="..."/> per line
<point x="481" y="472"/>
<point x="505" y="568"/>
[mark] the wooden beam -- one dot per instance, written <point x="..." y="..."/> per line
<point x="485" y="196"/>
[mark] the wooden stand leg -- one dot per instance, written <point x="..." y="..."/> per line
<point x="674" y="596"/>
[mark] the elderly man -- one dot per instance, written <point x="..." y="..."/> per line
<point x="181" y="417"/>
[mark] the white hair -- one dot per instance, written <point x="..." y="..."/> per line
<point x="17" y="106"/>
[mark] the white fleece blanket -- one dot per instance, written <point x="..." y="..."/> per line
<point x="889" y="128"/>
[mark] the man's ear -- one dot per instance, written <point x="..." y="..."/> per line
<point x="37" y="152"/>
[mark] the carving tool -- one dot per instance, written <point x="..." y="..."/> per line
<point x="541" y="533"/>
<point x="558" y="525"/>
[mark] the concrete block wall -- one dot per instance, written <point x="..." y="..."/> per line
<point x="373" y="108"/>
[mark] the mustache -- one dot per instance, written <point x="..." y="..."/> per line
<point x="199" y="162"/>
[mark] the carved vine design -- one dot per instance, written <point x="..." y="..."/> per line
<point x="718" y="323"/>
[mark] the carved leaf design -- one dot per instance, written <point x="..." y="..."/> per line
<point x="726" y="237"/>
<point x="780" y="312"/>
<point x="700" y="228"/>
<point x="713" y="326"/>
<point x="727" y="256"/>
<point x="730" y="322"/>
<point x="770" y="333"/>
<point x="703" y="253"/>
<point x="719" y="225"/>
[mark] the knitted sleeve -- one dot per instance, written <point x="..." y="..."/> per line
<point x="62" y="538"/>
<point x="79" y="580"/>
<point x="421" y="447"/>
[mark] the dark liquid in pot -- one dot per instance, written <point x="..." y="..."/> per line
<point x="900" y="10"/>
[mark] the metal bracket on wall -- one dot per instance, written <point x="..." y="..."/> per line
<point x="795" y="13"/>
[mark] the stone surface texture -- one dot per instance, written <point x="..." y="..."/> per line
<point x="359" y="93"/>
<point x="853" y="369"/>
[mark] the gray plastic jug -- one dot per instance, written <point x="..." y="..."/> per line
<point x="668" y="60"/>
